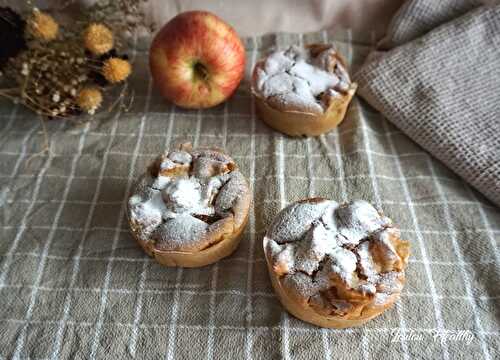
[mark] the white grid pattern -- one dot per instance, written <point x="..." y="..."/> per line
<point x="344" y="198"/>
<point x="378" y="202"/>
<point x="257" y="156"/>
<point x="311" y="194"/>
<point x="232" y="259"/>
<point x="170" y="353"/>
<point x="88" y="221"/>
<point x="175" y="312"/>
<point x="22" y="156"/>
<point x="458" y="253"/>
<point x="251" y="220"/>
<point x="170" y="345"/>
<point x="489" y="231"/>
<point x="215" y="267"/>
<point x="343" y="132"/>
<point x="138" y="309"/>
<point x="23" y="226"/>
<point x="199" y="289"/>
<point x="343" y="191"/>
<point x="142" y="281"/>
<point x="249" y="293"/>
<point x="43" y="257"/>
<point x="211" y="315"/>
<point x="116" y="237"/>
<point x="85" y="231"/>
<point x="269" y="177"/>
<point x="283" y="202"/>
<point x="398" y="305"/>
<point x="364" y="338"/>
<point x="13" y="247"/>
<point x="421" y="243"/>
<point x="15" y="243"/>
<point x="242" y="328"/>
<point x="12" y="118"/>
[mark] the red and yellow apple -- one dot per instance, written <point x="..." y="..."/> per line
<point x="197" y="60"/>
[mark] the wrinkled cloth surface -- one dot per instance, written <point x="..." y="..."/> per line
<point x="74" y="284"/>
<point x="440" y="85"/>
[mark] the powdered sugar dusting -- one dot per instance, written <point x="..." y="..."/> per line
<point x="160" y="182"/>
<point x="314" y="245"/>
<point x="228" y="191"/>
<point x="179" y="206"/>
<point x="149" y="212"/>
<point x="366" y="262"/>
<point x="181" y="232"/>
<point x="357" y="220"/>
<point x="183" y="195"/>
<point x="167" y="164"/>
<point x="302" y="285"/>
<point x="297" y="79"/>
<point x="180" y="157"/>
<point x="313" y="248"/>
<point x="292" y="225"/>
<point x="343" y="262"/>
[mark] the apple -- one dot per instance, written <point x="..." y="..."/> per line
<point x="197" y="60"/>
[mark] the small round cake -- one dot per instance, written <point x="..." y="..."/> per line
<point x="189" y="208"/>
<point x="335" y="265"/>
<point x="302" y="90"/>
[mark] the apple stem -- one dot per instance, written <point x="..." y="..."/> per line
<point x="201" y="70"/>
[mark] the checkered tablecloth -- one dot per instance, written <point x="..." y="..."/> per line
<point x="74" y="284"/>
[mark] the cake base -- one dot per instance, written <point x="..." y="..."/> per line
<point x="308" y="314"/>
<point x="210" y="255"/>
<point x="295" y="123"/>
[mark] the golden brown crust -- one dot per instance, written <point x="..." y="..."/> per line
<point x="339" y="304"/>
<point x="223" y="234"/>
<point x="222" y="248"/>
<point x="295" y="122"/>
<point x="304" y="312"/>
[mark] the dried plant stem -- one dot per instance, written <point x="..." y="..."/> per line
<point x="7" y="94"/>
<point x="131" y="101"/>
<point x="51" y="76"/>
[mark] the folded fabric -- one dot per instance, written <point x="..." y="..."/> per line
<point x="416" y="17"/>
<point x="442" y="90"/>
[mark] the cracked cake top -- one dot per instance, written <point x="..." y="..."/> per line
<point x="337" y="259"/>
<point x="188" y="200"/>
<point x="302" y="79"/>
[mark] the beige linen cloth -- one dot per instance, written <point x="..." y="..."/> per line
<point x="74" y="285"/>
<point x="440" y="85"/>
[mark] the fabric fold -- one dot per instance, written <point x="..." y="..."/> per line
<point x="441" y="89"/>
<point x="416" y="17"/>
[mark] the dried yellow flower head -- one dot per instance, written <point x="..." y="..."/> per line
<point x="115" y="70"/>
<point x="89" y="99"/>
<point x="42" y="26"/>
<point x="98" y="39"/>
